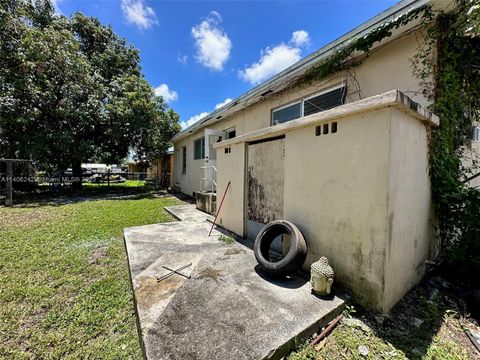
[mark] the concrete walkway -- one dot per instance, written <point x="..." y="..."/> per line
<point x="228" y="309"/>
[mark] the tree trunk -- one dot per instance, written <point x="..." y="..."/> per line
<point x="77" y="175"/>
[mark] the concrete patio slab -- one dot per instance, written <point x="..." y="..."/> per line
<point x="228" y="309"/>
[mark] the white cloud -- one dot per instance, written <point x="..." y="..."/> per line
<point x="193" y="119"/>
<point x="182" y="59"/>
<point x="212" y="42"/>
<point x="275" y="59"/>
<point x="167" y="94"/>
<point x="300" y="38"/>
<point x="272" y="61"/>
<point x="218" y="106"/>
<point x="197" y="117"/>
<point x="137" y="13"/>
<point x="55" y="4"/>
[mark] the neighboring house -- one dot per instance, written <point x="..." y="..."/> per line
<point x="161" y="170"/>
<point x="344" y="158"/>
<point x="137" y="167"/>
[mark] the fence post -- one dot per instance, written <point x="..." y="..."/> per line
<point x="9" y="188"/>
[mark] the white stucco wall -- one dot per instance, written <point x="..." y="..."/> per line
<point x="360" y="196"/>
<point x="387" y="67"/>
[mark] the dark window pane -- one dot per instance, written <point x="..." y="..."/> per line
<point x="199" y="149"/>
<point x="325" y="101"/>
<point x="286" y="114"/>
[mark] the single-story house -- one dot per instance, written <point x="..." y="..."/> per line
<point x="345" y="158"/>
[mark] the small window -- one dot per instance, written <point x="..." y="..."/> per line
<point x="325" y="129"/>
<point x="476" y="134"/>
<point x="230" y="133"/>
<point x="184" y="160"/>
<point x="199" y="146"/>
<point x="334" y="127"/>
<point x="287" y="113"/>
<point x="324" y="101"/>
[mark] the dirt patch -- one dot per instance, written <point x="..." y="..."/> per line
<point x="150" y="292"/>
<point x="15" y="218"/>
<point x="210" y="274"/>
<point x="97" y="255"/>
<point x="234" y="252"/>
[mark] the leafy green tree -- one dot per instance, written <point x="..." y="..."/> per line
<point x="71" y="90"/>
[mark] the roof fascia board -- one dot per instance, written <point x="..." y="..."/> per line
<point x="323" y="52"/>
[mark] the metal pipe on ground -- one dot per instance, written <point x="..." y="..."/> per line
<point x="219" y="208"/>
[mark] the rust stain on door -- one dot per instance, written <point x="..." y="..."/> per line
<point x="265" y="176"/>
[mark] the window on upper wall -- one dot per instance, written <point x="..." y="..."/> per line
<point x="184" y="160"/>
<point x="287" y="113"/>
<point x="310" y="105"/>
<point x="230" y="133"/>
<point x="476" y="134"/>
<point x="199" y="149"/>
<point x="324" y="101"/>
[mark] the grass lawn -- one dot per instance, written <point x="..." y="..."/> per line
<point x="425" y="324"/>
<point x="64" y="283"/>
<point x="126" y="183"/>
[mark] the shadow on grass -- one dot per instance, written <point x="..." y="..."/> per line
<point x="39" y="199"/>
<point x="418" y="318"/>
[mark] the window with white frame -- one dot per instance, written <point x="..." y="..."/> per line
<point x="310" y="105"/>
<point x="287" y="113"/>
<point x="199" y="148"/>
<point x="230" y="133"/>
<point x="476" y="134"/>
<point x="324" y="101"/>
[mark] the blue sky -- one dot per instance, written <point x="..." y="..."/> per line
<point x="199" y="54"/>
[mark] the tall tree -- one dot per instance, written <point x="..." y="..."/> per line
<point x="72" y="90"/>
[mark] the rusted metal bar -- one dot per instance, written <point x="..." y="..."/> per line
<point x="219" y="208"/>
<point x="172" y="272"/>
<point x="327" y="330"/>
<point x="178" y="271"/>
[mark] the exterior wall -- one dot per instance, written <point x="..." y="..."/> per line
<point x="336" y="193"/>
<point x="472" y="156"/>
<point x="360" y="196"/>
<point x="386" y="68"/>
<point x="165" y="163"/>
<point x="232" y="167"/>
<point x="409" y="213"/>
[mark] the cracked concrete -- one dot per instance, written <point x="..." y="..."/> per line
<point x="229" y="309"/>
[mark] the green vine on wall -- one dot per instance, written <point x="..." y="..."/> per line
<point x="448" y="65"/>
<point x="339" y="59"/>
<point x="451" y="57"/>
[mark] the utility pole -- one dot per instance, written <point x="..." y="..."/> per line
<point x="9" y="188"/>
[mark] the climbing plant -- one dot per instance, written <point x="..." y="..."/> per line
<point x="448" y="67"/>
<point x="339" y="60"/>
<point x="449" y="63"/>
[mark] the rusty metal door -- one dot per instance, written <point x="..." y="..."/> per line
<point x="265" y="178"/>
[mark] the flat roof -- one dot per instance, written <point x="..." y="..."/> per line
<point x="393" y="98"/>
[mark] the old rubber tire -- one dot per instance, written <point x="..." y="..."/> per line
<point x="296" y="255"/>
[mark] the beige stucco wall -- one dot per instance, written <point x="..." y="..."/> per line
<point x="387" y="67"/>
<point x="232" y="167"/>
<point x="410" y="235"/>
<point x="360" y="196"/>
<point x="335" y="192"/>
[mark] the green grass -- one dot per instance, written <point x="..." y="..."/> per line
<point x="127" y="183"/>
<point x="226" y="239"/>
<point x="64" y="284"/>
<point x="437" y="335"/>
